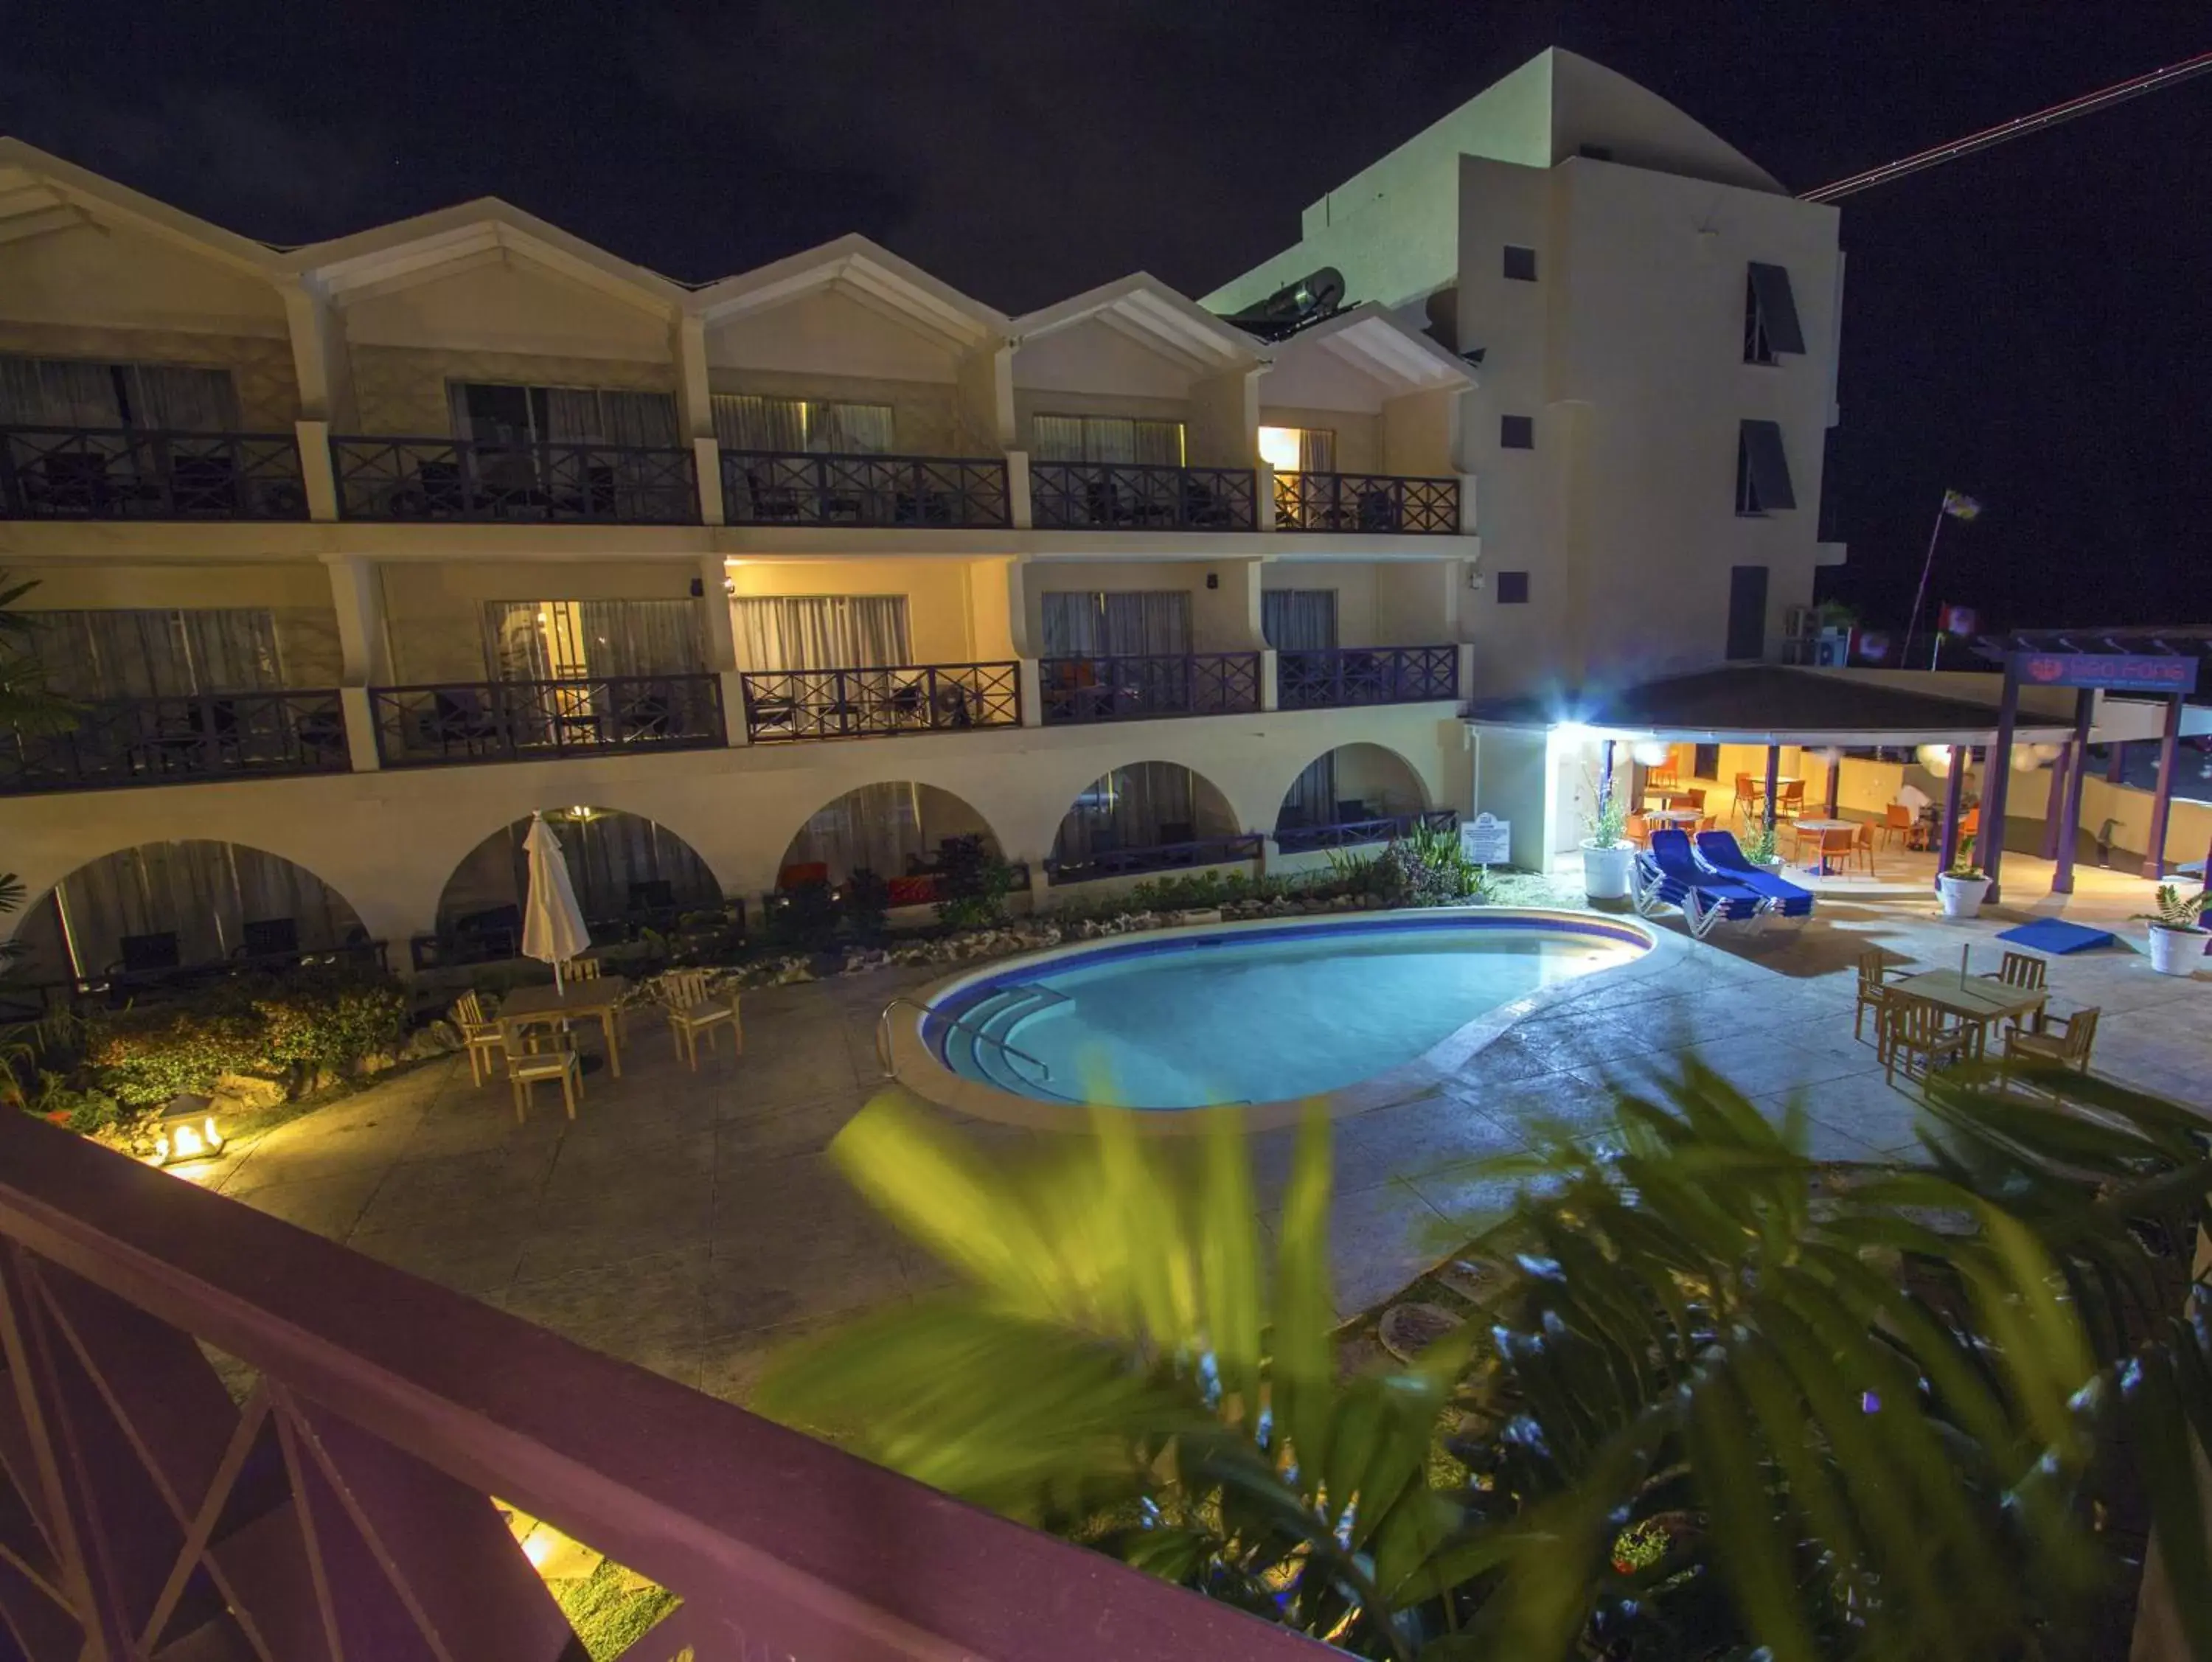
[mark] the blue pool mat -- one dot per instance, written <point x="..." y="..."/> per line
<point x="2055" y="935"/>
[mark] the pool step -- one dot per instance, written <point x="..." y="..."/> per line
<point x="975" y="1047"/>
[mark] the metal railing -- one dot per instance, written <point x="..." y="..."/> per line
<point x="1350" y="833"/>
<point x="791" y="487"/>
<point x="343" y="1498"/>
<point x="1158" y="857"/>
<point x="1380" y="503"/>
<point x="425" y="726"/>
<point x="1345" y="678"/>
<point x="883" y="1036"/>
<point x="1142" y="688"/>
<point x="784" y="705"/>
<point x="431" y="479"/>
<point x="123" y="474"/>
<point x="1133" y="496"/>
<point x="178" y="739"/>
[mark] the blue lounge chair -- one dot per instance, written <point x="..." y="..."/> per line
<point x="1669" y="876"/>
<point x="1719" y="852"/>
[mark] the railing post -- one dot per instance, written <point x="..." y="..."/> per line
<point x="1271" y="695"/>
<point x="1263" y="505"/>
<point x="319" y="478"/>
<point x="706" y="463"/>
<point x="737" y="727"/>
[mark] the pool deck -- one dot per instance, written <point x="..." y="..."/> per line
<point x="690" y="1222"/>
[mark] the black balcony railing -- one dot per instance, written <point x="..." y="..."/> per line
<point x="533" y="721"/>
<point x="179" y="739"/>
<point x="1158" y="857"/>
<point x="118" y="473"/>
<point x="1382" y="502"/>
<point x="1350" y="833"/>
<point x="1141" y="689"/>
<point x="1128" y="496"/>
<point x="783" y="487"/>
<point x="1347" y="677"/>
<point x="426" y="479"/>
<point x="859" y="703"/>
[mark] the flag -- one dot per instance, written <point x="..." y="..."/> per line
<point x="1958" y="620"/>
<point x="1873" y="646"/>
<point x="1959" y="505"/>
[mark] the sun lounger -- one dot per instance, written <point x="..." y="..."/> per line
<point x="1669" y="876"/>
<point x="1720" y="853"/>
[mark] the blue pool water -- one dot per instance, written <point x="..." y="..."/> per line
<point x="1250" y="1016"/>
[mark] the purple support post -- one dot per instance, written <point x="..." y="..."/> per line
<point x="2116" y="764"/>
<point x="2161" y="801"/>
<point x="1954" y="786"/>
<point x="1835" y="782"/>
<point x="1998" y="786"/>
<point x="2069" y="828"/>
<point x="2054" y="804"/>
<point x="1773" y="781"/>
<point x="1605" y="776"/>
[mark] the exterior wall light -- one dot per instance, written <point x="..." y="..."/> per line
<point x="1652" y="754"/>
<point x="188" y="1131"/>
<point x="1937" y="759"/>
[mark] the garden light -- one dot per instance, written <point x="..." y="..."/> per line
<point x="188" y="1131"/>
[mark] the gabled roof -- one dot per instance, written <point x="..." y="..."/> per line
<point x="1153" y="314"/>
<point x="1378" y="343"/>
<point x="866" y="273"/>
<point x="40" y="192"/>
<point x="483" y="232"/>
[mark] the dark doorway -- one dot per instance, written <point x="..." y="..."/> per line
<point x="1747" y="625"/>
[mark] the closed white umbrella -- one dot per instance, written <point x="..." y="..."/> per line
<point x="553" y="929"/>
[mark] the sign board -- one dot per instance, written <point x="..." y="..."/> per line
<point x="2116" y="671"/>
<point x="1487" y="840"/>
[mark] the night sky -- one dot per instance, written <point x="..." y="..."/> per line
<point x="2028" y="326"/>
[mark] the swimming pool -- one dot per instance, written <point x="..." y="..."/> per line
<point x="1253" y="1013"/>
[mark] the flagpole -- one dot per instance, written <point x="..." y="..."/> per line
<point x="1920" y="595"/>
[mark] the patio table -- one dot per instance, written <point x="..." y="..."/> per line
<point x="598" y="998"/>
<point x="1977" y="1000"/>
<point x="1818" y="825"/>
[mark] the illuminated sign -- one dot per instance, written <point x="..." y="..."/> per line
<point x="2115" y="672"/>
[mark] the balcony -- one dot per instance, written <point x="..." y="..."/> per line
<point x="436" y="725"/>
<point x="1374" y="503"/>
<point x="118" y="473"/>
<point x="785" y="705"/>
<point x="181" y="740"/>
<point x="419" y="480"/>
<point x="1146" y="688"/>
<point x="1130" y="497"/>
<point x="1352" y="833"/>
<point x="1348" y="677"/>
<point x="781" y="487"/>
<point x="1155" y="857"/>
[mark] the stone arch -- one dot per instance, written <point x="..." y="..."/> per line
<point x="203" y="891"/>
<point x="619" y="861"/>
<point x="891" y="827"/>
<point x="1137" y="804"/>
<point x="1382" y="781"/>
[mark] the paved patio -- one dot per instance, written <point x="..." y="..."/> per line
<point x="689" y="1223"/>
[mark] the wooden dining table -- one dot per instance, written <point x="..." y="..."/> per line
<point x="597" y="997"/>
<point x="1978" y="1001"/>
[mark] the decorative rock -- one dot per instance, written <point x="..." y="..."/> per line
<point x="1475" y="1283"/>
<point x="377" y="1062"/>
<point x="1407" y="1329"/>
<point x="243" y="1092"/>
<point x="437" y="1039"/>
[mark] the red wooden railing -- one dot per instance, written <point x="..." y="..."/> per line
<point x="343" y="1511"/>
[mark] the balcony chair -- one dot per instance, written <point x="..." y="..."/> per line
<point x="1379" y="509"/>
<point x="456" y="716"/>
<point x="649" y="713"/>
<point x="204" y="484"/>
<point x="551" y="1055"/>
<point x="206" y="738"/>
<point x="692" y="1011"/>
<point x="67" y="484"/>
<point x="772" y="499"/>
<point x="494" y="933"/>
<point x="2068" y="1047"/>
<point x="269" y="938"/>
<point x="1720" y="854"/>
<point x="481" y="1037"/>
<point x="147" y="955"/>
<point x="1918" y="1040"/>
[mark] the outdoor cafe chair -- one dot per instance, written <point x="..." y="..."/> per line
<point x="480" y="1035"/>
<point x="2068" y="1047"/>
<point x="1898" y="825"/>
<point x="1919" y="1040"/>
<point x="1873" y="995"/>
<point x="550" y="1056"/>
<point x="692" y="1011"/>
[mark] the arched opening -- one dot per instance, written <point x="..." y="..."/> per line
<point x="143" y="911"/>
<point x="896" y="830"/>
<point x="1144" y="809"/>
<point x="1342" y="795"/>
<point x="627" y="870"/>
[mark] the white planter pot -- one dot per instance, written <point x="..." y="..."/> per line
<point x="1962" y="896"/>
<point x="2176" y="951"/>
<point x="1606" y="871"/>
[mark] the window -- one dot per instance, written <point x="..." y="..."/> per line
<point x="1298" y="449"/>
<point x="1770" y="315"/>
<point x="576" y="640"/>
<point x="1747" y="616"/>
<point x="1136" y="624"/>
<point x="1516" y="432"/>
<point x="1762" y="471"/>
<point x="1520" y="264"/>
<point x="1512" y="588"/>
<point x="150" y="397"/>
<point x="822" y="631"/>
<point x="817" y="427"/>
<point x="1145" y="441"/>
<point x="159" y="653"/>
<point x="1705" y="762"/>
<point x="497" y="412"/>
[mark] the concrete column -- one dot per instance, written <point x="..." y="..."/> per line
<point x="2161" y="801"/>
<point x="320" y="364"/>
<point x="1032" y="687"/>
<point x="2054" y="804"/>
<point x="1270" y="691"/>
<point x="985" y="390"/>
<point x="695" y="403"/>
<point x="357" y="597"/>
<point x="707" y="459"/>
<point x="1999" y="787"/>
<point x="1465" y="670"/>
<point x="1040" y="887"/>
<point x="2069" y="830"/>
<point x="1019" y="509"/>
<point x="1263" y="505"/>
<point x="1225" y="419"/>
<point x="318" y="476"/>
<point x="360" y="713"/>
<point x="1469" y="524"/>
<point x="721" y="642"/>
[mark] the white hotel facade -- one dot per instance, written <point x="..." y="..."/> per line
<point x="357" y="554"/>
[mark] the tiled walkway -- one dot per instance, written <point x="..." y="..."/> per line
<point x="689" y="1222"/>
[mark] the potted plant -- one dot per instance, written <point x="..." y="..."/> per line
<point x="1608" y="858"/>
<point x="2177" y="931"/>
<point x="1962" y="886"/>
<point x="1760" y="850"/>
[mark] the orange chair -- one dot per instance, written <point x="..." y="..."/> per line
<point x="1898" y="823"/>
<point x="1637" y="830"/>
<point x="1863" y="844"/>
<point x="1790" y="801"/>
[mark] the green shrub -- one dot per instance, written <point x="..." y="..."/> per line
<point x="85" y="1112"/>
<point x="975" y="882"/>
<point x="258" y="1025"/>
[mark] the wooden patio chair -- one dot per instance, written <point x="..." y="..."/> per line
<point x="2021" y="970"/>
<point x="582" y="969"/>
<point x="481" y="1036"/>
<point x="692" y="1011"/>
<point x="1873" y="995"/>
<point x="551" y="1056"/>
<point x="1918" y="1039"/>
<point x="1898" y="825"/>
<point x="2067" y="1047"/>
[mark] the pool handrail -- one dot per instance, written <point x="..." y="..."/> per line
<point x="883" y="1046"/>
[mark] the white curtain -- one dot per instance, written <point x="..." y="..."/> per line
<point x="1107" y="439"/>
<point x="139" y="654"/>
<point x="494" y="411"/>
<point x="175" y="398"/>
<point x="608" y="855"/>
<point x="747" y="421"/>
<point x="1138" y="807"/>
<point x="1093" y="624"/>
<point x="1316" y="450"/>
<point x="822" y="631"/>
<point x="877" y="828"/>
<point x="550" y="640"/>
<point x="58" y="392"/>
